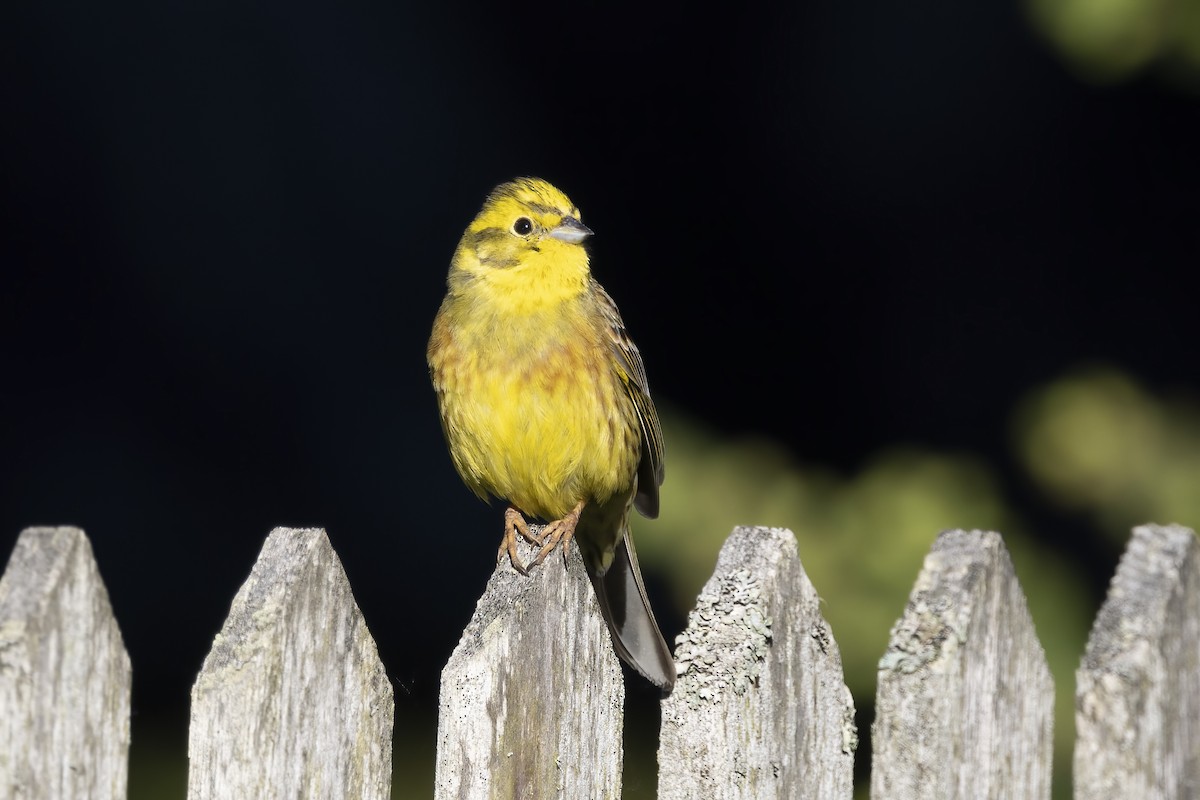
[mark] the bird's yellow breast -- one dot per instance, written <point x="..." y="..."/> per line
<point x="533" y="408"/>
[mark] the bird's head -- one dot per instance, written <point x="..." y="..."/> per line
<point x="527" y="238"/>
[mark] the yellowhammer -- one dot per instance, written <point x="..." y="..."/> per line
<point x="544" y="401"/>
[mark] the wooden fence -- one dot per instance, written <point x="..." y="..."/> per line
<point x="293" y="702"/>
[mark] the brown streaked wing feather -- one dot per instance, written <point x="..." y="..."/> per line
<point x="633" y="377"/>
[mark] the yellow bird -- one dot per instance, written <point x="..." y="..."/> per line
<point x="544" y="402"/>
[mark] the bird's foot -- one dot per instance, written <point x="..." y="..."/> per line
<point x="514" y="523"/>
<point x="559" y="531"/>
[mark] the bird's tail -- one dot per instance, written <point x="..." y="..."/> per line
<point x="626" y="609"/>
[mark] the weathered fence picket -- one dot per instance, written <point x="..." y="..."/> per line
<point x="1138" y="697"/>
<point x="532" y="699"/>
<point x="293" y="702"/>
<point x="760" y="708"/>
<point x="64" y="674"/>
<point x="964" y="703"/>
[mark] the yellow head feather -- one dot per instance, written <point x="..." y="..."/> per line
<point x="525" y="245"/>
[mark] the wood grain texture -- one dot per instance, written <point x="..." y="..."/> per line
<point x="64" y="674"/>
<point x="760" y="708"/>
<point x="292" y="700"/>
<point x="1138" y="688"/>
<point x="532" y="699"/>
<point x="965" y="701"/>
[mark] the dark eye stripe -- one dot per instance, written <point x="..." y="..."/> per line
<point x="481" y="239"/>
<point x="488" y="235"/>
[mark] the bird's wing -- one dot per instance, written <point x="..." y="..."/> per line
<point x="633" y="378"/>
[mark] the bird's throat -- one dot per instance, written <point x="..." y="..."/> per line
<point x="542" y="281"/>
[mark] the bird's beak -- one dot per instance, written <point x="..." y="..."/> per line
<point x="570" y="230"/>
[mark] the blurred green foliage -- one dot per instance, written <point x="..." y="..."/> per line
<point x="1098" y="443"/>
<point x="1111" y="40"/>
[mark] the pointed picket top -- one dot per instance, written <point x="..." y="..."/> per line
<point x="64" y="673"/>
<point x="532" y="699"/>
<point x="965" y="700"/>
<point x="760" y="708"/>
<point x="1138" y="689"/>
<point x="292" y="700"/>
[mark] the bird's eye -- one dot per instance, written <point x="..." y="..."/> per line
<point x="522" y="226"/>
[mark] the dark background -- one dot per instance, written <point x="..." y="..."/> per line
<point x="225" y="230"/>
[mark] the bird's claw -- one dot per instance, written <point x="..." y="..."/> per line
<point x="560" y="531"/>
<point x="514" y="523"/>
